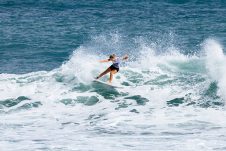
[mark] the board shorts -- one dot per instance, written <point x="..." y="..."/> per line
<point x="113" y="68"/>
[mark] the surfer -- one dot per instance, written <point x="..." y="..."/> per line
<point x="114" y="68"/>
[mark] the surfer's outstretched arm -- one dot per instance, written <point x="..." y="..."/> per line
<point x="125" y="57"/>
<point x="107" y="60"/>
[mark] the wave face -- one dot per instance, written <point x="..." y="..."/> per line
<point x="166" y="98"/>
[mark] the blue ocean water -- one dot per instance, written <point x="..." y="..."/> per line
<point x="171" y="93"/>
<point x="40" y="35"/>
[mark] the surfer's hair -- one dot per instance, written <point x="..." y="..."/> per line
<point x="112" y="56"/>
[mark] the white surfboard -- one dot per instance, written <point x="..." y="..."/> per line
<point x="106" y="84"/>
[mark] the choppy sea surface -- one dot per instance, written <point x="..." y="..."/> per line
<point x="171" y="92"/>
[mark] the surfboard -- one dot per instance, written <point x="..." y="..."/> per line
<point x="106" y="84"/>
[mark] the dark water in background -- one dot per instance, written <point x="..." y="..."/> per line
<point x="41" y="35"/>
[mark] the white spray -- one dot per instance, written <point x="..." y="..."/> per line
<point x="216" y="64"/>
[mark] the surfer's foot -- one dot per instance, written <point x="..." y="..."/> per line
<point x="109" y="82"/>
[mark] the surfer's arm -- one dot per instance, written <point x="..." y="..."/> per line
<point x="107" y="60"/>
<point x="125" y="57"/>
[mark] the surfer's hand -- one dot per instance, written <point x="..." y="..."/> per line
<point x="125" y="57"/>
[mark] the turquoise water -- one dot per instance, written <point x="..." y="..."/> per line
<point x="172" y="88"/>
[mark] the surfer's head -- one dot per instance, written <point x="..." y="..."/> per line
<point x="112" y="57"/>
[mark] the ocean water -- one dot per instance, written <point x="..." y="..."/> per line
<point x="172" y="89"/>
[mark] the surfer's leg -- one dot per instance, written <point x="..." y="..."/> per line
<point x="111" y="75"/>
<point x="103" y="73"/>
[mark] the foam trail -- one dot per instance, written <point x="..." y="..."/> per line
<point x="215" y="64"/>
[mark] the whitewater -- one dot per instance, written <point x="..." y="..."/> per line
<point x="168" y="101"/>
